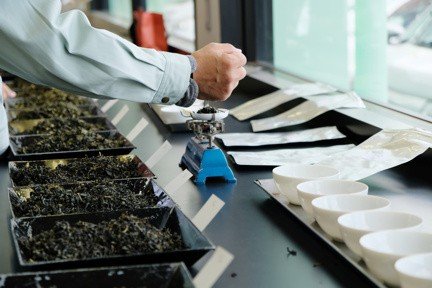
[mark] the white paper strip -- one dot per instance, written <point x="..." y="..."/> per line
<point x="178" y="181"/>
<point x="384" y="150"/>
<point x="308" y="110"/>
<point x="137" y="129"/>
<point x="267" y="102"/>
<point x="108" y="105"/>
<point x="117" y="118"/>
<point x="166" y="146"/>
<point x="260" y="105"/>
<point x="213" y="269"/>
<point x="207" y="213"/>
<point x="275" y="138"/>
<point x="287" y="156"/>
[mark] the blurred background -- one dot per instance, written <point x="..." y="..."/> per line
<point x="382" y="49"/>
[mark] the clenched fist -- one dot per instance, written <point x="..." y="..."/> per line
<point x="219" y="70"/>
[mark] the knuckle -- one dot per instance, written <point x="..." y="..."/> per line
<point x="229" y="77"/>
<point x="212" y="45"/>
<point x="227" y="62"/>
<point x="228" y="46"/>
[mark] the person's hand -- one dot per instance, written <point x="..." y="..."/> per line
<point x="7" y="92"/>
<point x="219" y="70"/>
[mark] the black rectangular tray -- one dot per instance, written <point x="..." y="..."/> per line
<point x="197" y="245"/>
<point x="15" y="166"/>
<point x="300" y="215"/>
<point x="139" y="186"/>
<point x="18" y="141"/>
<point x="92" y="110"/>
<point x="19" y="126"/>
<point x="12" y="102"/>
<point x="155" y="276"/>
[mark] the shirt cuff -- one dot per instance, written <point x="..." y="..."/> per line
<point x="175" y="80"/>
<point x="192" y="93"/>
<point x="190" y="96"/>
<point x="193" y="63"/>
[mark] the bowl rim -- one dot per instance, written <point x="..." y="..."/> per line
<point x="334" y="181"/>
<point x="314" y="202"/>
<point x="378" y="211"/>
<point x="407" y="258"/>
<point x="276" y="169"/>
<point x="399" y="255"/>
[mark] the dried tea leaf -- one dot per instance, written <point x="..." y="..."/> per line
<point x="56" y="125"/>
<point x="81" y="198"/>
<point x="85" y="169"/>
<point x="28" y="89"/>
<point x="80" y="139"/>
<point x="127" y="235"/>
<point x="54" y="110"/>
<point x="207" y="110"/>
<point x="51" y="96"/>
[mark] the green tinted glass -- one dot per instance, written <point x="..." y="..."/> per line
<point x="339" y="42"/>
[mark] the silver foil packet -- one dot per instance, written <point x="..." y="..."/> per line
<point x="277" y="138"/>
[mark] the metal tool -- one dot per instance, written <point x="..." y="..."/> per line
<point x="202" y="157"/>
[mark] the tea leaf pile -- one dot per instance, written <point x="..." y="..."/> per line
<point x="50" y="96"/>
<point x="57" y="125"/>
<point x="127" y="235"/>
<point x="81" y="198"/>
<point x="70" y="141"/>
<point x="54" y="110"/>
<point x="85" y="169"/>
<point x="207" y="110"/>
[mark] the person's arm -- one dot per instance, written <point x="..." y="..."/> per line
<point x="64" y="51"/>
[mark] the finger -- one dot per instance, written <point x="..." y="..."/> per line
<point x="234" y="75"/>
<point x="233" y="60"/>
<point x="229" y="89"/>
<point x="8" y="91"/>
<point x="241" y="72"/>
<point x="228" y="48"/>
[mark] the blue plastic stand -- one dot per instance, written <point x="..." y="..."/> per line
<point x="205" y="162"/>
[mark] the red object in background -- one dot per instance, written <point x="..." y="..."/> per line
<point x="150" y="30"/>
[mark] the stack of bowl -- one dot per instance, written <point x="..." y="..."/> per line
<point x="390" y="242"/>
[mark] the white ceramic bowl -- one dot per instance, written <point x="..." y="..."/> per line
<point x="327" y="209"/>
<point x="307" y="191"/>
<point x="380" y="251"/>
<point x="287" y="177"/>
<point x="354" y="225"/>
<point x="415" y="271"/>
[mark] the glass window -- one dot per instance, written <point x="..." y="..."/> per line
<point x="340" y="42"/>
<point x="402" y="14"/>
<point x="179" y="19"/>
<point x="410" y="74"/>
<point x="311" y="39"/>
<point x="121" y="9"/>
<point x="380" y="49"/>
<point x="425" y="37"/>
